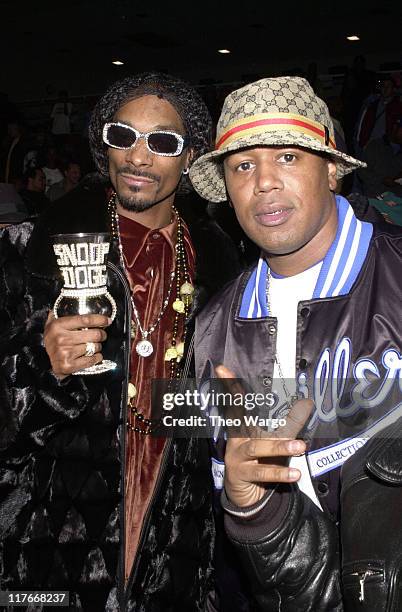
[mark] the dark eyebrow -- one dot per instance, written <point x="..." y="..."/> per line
<point x="170" y="128"/>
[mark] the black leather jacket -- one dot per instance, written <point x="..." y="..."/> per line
<point x="291" y="546"/>
<point x="62" y="444"/>
<point x="371" y="533"/>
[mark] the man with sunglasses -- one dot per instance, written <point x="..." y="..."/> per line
<point x="92" y="503"/>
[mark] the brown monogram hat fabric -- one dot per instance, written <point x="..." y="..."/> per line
<point x="277" y="111"/>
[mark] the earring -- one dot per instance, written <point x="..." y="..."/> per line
<point x="184" y="171"/>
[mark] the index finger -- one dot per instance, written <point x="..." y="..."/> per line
<point x="295" y="419"/>
<point x="230" y="380"/>
<point x="235" y="387"/>
<point x="73" y="322"/>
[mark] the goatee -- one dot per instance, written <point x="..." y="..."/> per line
<point x="134" y="203"/>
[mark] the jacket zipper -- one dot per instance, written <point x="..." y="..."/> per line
<point x="362" y="576"/>
<point x="123" y="430"/>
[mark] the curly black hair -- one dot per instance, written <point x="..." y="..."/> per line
<point x="182" y="96"/>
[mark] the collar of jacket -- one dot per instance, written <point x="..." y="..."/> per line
<point x="339" y="270"/>
<point x="385" y="455"/>
<point x="381" y="457"/>
<point x="379" y="230"/>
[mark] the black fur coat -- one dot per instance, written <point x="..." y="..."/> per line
<point x="62" y="443"/>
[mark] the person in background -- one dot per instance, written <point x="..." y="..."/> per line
<point x="33" y="192"/>
<point x="358" y="84"/>
<point x="13" y="153"/>
<point x="61" y="117"/>
<point x="37" y="143"/>
<point x="378" y="117"/>
<point x="383" y="157"/>
<point x="50" y="163"/>
<point x="72" y="176"/>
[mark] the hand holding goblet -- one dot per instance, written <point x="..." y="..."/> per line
<point x="82" y="262"/>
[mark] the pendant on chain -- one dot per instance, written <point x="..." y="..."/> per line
<point x="144" y="348"/>
<point x="179" y="306"/>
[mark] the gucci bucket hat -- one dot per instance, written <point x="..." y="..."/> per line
<point x="277" y="111"/>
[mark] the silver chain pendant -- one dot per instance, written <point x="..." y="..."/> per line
<point x="144" y="348"/>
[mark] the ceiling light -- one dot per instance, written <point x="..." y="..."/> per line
<point x="353" y="37"/>
<point x="118" y="63"/>
<point x="224" y="51"/>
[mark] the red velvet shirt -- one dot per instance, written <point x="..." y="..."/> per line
<point x="149" y="260"/>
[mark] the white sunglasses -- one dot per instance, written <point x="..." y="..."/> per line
<point x="161" y="142"/>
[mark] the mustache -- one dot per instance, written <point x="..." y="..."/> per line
<point x="274" y="199"/>
<point x="131" y="172"/>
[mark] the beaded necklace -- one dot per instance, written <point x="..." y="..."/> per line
<point x="180" y="280"/>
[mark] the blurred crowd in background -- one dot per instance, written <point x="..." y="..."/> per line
<point x="43" y="160"/>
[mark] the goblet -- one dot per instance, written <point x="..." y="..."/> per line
<point x="82" y="261"/>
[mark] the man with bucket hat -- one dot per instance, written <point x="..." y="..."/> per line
<point x="317" y="318"/>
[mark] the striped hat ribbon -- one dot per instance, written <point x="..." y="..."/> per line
<point x="266" y="122"/>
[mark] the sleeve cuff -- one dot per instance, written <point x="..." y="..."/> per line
<point x="257" y="522"/>
<point x="248" y="511"/>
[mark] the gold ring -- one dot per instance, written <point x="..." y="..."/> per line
<point x="90" y="349"/>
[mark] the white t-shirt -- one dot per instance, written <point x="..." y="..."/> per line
<point x="61" y="119"/>
<point x="285" y="293"/>
<point x="53" y="175"/>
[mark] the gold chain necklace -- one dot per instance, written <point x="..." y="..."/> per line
<point x="181" y="304"/>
